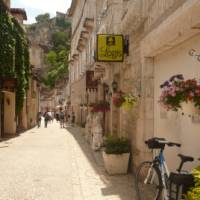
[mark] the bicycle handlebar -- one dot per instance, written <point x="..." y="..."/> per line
<point x="170" y="144"/>
<point x="159" y="143"/>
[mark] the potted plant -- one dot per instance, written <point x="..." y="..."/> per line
<point x="129" y="101"/>
<point x="118" y="99"/>
<point x="124" y="100"/>
<point x="179" y="94"/>
<point x="116" y="155"/>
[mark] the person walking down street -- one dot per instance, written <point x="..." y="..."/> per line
<point x="57" y="116"/>
<point x="69" y="119"/>
<point x="66" y="118"/>
<point x="46" y="119"/>
<point x="62" y="118"/>
<point x="39" y="118"/>
<point x="50" y="116"/>
<point x="73" y="118"/>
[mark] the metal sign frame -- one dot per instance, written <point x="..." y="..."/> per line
<point x="109" y="35"/>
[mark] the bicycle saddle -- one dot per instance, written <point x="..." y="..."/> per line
<point x="186" y="158"/>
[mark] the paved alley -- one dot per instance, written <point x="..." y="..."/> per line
<point x="57" y="164"/>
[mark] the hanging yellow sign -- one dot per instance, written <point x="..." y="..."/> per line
<point x="110" y="48"/>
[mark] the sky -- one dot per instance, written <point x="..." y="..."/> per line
<point x="36" y="7"/>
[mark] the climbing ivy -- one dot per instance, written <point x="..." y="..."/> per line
<point x="7" y="44"/>
<point x="14" y="54"/>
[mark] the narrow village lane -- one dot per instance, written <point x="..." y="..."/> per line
<point x="57" y="164"/>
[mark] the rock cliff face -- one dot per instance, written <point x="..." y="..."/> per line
<point x="40" y="35"/>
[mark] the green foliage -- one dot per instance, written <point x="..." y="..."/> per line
<point x="42" y="18"/>
<point x="56" y="58"/>
<point x="14" y="54"/>
<point x="21" y="64"/>
<point x="63" y="23"/>
<point x="50" y="58"/>
<point x="7" y="44"/>
<point x="194" y="193"/>
<point x="59" y="39"/>
<point x="115" y="145"/>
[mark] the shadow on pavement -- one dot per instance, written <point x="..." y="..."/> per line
<point x="121" y="186"/>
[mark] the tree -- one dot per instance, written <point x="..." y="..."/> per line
<point x="59" y="39"/>
<point x="51" y="58"/>
<point x="63" y="23"/>
<point x="57" y="56"/>
<point x="43" y="17"/>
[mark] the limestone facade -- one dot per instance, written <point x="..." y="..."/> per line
<point x="160" y="34"/>
<point x="10" y="121"/>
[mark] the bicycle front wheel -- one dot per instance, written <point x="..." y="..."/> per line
<point x="149" y="182"/>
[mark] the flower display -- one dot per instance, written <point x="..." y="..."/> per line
<point x="176" y="90"/>
<point x="129" y="101"/>
<point x="118" y="99"/>
<point x="126" y="101"/>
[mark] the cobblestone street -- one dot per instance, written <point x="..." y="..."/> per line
<point x="57" y="164"/>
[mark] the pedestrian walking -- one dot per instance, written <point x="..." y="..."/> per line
<point x="57" y="116"/>
<point x="46" y="119"/>
<point x="39" y="118"/>
<point x="62" y="118"/>
<point x="50" y="116"/>
<point x="69" y="119"/>
<point x="73" y="118"/>
<point x="66" y="117"/>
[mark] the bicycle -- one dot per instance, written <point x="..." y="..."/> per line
<point x="153" y="179"/>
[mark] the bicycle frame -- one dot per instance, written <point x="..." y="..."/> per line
<point x="158" y="173"/>
<point x="164" y="172"/>
<point x="160" y="161"/>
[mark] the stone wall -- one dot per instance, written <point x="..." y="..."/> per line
<point x="152" y="26"/>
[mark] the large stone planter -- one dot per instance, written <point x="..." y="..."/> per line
<point x="116" y="163"/>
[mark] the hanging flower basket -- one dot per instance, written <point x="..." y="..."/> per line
<point x="118" y="99"/>
<point x="179" y="94"/>
<point x="124" y="100"/>
<point x="129" y="101"/>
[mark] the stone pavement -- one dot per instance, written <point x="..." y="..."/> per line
<point x="57" y="164"/>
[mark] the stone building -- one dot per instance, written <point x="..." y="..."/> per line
<point x="82" y="55"/>
<point x="10" y="121"/>
<point x="161" y="35"/>
<point x="22" y="121"/>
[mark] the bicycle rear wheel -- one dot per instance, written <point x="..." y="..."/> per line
<point x="148" y="182"/>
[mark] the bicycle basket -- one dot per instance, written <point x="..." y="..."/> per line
<point x="154" y="144"/>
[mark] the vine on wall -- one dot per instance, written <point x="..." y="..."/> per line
<point x="14" y="54"/>
<point x="7" y="43"/>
